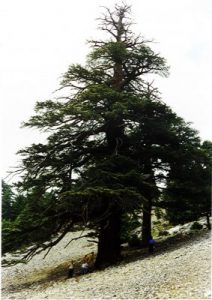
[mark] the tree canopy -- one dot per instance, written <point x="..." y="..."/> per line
<point x="111" y="144"/>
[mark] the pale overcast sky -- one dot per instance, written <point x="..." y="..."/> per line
<point x="40" y="38"/>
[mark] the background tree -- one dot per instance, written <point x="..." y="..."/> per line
<point x="7" y="197"/>
<point x="188" y="193"/>
<point x="165" y="146"/>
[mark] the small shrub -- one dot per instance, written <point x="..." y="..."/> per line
<point x="163" y="233"/>
<point x="196" y="226"/>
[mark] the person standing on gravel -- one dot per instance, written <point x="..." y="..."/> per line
<point x="151" y="244"/>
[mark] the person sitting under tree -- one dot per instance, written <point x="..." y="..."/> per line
<point x="84" y="268"/>
<point x="71" y="270"/>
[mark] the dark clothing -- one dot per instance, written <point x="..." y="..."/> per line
<point x="151" y="248"/>
<point x="151" y="245"/>
<point x="70" y="272"/>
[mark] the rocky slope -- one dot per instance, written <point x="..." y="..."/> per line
<point x="180" y="271"/>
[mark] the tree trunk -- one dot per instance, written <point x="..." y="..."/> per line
<point x="149" y="194"/>
<point x="146" y="224"/>
<point x="109" y="246"/>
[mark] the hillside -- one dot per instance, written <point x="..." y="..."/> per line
<point x="180" y="268"/>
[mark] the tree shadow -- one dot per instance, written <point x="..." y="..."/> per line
<point x="165" y="245"/>
<point x="60" y="272"/>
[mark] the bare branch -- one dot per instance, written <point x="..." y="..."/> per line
<point x="77" y="238"/>
<point x="34" y="251"/>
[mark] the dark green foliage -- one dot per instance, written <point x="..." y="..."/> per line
<point x="111" y="143"/>
<point x="130" y="225"/>
<point x="12" y="203"/>
<point x="196" y="226"/>
<point x="188" y="194"/>
<point x="7" y="197"/>
<point x="33" y="221"/>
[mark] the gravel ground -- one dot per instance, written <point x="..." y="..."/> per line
<point x="180" y="273"/>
